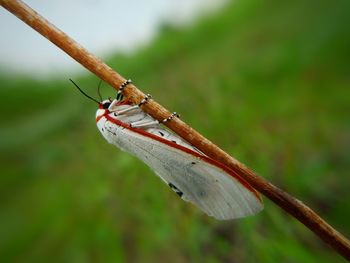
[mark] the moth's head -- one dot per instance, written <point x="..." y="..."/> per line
<point x="103" y="108"/>
<point x="104" y="105"/>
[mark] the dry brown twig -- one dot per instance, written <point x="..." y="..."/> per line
<point x="287" y="202"/>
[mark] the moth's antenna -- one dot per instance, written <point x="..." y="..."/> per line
<point x="91" y="98"/>
<point x="98" y="90"/>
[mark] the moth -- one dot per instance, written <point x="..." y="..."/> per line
<point x="213" y="187"/>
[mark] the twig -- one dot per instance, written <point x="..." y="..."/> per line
<point x="287" y="202"/>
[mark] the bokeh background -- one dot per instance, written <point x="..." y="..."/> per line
<point x="267" y="81"/>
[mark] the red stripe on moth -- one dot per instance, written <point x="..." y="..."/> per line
<point x="99" y="117"/>
<point x="184" y="149"/>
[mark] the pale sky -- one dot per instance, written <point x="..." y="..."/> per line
<point x="100" y="26"/>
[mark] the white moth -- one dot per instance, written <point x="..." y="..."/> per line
<point x="213" y="187"/>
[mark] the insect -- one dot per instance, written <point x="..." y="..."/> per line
<point x="203" y="181"/>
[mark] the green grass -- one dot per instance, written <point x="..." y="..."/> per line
<point x="268" y="82"/>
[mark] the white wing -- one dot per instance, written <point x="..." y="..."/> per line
<point x="209" y="187"/>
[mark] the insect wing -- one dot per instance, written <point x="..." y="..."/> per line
<point x="200" y="182"/>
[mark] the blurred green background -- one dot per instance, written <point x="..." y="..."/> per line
<point x="267" y="81"/>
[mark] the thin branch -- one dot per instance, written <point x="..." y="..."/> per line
<point x="287" y="202"/>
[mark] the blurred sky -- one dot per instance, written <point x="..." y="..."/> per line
<point x="100" y="26"/>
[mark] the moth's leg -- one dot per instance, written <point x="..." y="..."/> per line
<point x="144" y="123"/>
<point x="121" y="89"/>
<point x="116" y="113"/>
<point x="113" y="106"/>
<point x="120" y="112"/>
<point x="174" y="114"/>
<point x="145" y="99"/>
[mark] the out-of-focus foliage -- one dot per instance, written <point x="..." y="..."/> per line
<point x="267" y="81"/>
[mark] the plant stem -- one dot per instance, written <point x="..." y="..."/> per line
<point x="287" y="202"/>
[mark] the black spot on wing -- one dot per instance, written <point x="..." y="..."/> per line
<point x="161" y="134"/>
<point x="176" y="190"/>
<point x="202" y="194"/>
